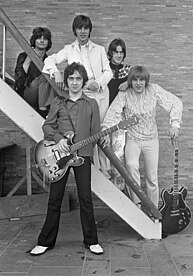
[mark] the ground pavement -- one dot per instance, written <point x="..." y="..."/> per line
<point x="125" y="252"/>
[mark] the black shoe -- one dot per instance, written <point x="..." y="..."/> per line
<point x="164" y="235"/>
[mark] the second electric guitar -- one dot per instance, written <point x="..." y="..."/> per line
<point x="52" y="163"/>
<point x="175" y="213"/>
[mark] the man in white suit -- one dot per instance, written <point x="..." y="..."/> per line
<point x="94" y="59"/>
<point x="91" y="55"/>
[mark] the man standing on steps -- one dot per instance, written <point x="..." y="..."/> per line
<point x="78" y="113"/>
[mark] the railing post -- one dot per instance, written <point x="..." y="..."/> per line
<point x="28" y="165"/>
<point x="4" y="52"/>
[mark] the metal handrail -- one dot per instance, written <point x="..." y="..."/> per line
<point x="4" y="52"/>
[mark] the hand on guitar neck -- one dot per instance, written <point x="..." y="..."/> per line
<point x="63" y="146"/>
<point x="173" y="133"/>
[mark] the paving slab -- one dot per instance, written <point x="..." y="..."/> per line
<point x="159" y="259"/>
<point x="125" y="251"/>
<point x="55" y="271"/>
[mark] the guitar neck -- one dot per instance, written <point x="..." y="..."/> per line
<point x="175" y="188"/>
<point x="93" y="138"/>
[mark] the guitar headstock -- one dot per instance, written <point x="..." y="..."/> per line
<point x="131" y="121"/>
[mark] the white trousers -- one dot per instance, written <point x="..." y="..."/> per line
<point x="150" y="151"/>
<point x="100" y="160"/>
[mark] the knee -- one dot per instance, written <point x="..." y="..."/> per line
<point x="132" y="164"/>
<point x="55" y="203"/>
<point x="85" y="200"/>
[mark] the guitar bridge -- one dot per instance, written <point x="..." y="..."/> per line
<point x="42" y="163"/>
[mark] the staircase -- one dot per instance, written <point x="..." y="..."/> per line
<point x="31" y="123"/>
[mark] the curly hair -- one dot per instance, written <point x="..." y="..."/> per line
<point x="113" y="47"/>
<point x="81" y="21"/>
<point x="138" y="72"/>
<point x="38" y="33"/>
<point x="71" y="68"/>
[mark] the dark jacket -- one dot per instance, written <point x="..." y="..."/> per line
<point x="22" y="79"/>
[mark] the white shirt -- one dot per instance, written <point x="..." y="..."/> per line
<point x="84" y="51"/>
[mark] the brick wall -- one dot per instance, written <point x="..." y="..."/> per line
<point x="157" y="33"/>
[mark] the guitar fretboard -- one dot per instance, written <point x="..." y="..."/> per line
<point x="175" y="200"/>
<point x="93" y="138"/>
<point x="176" y="171"/>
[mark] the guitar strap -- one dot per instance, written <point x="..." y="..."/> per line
<point x="71" y="123"/>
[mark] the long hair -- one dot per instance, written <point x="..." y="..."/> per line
<point x="71" y="68"/>
<point x="138" y="72"/>
<point x="113" y="47"/>
<point x="81" y="21"/>
<point x="38" y="33"/>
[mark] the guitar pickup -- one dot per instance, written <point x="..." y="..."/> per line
<point x="56" y="154"/>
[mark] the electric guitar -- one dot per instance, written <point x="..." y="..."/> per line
<point x="52" y="164"/>
<point x="175" y="213"/>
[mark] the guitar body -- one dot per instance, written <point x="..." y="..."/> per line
<point x="51" y="163"/>
<point x="174" y="220"/>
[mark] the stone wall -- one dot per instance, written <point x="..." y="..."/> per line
<point x="157" y="33"/>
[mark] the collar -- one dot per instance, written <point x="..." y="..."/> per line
<point x="76" y="44"/>
<point x="116" y="66"/>
<point x="83" y="96"/>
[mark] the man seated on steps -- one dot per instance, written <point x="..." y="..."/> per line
<point x="29" y="83"/>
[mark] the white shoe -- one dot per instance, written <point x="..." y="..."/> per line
<point x="38" y="250"/>
<point x="95" y="249"/>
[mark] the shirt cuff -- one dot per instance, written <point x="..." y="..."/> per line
<point x="100" y="86"/>
<point x="50" y="71"/>
<point x="175" y="124"/>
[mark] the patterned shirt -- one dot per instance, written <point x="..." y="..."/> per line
<point x="120" y="75"/>
<point x="144" y="106"/>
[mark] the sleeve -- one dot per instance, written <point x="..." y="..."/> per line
<point x="20" y="76"/>
<point x="50" y="126"/>
<point x="172" y="104"/>
<point x="114" y="113"/>
<point x="95" y="119"/>
<point x="51" y="61"/>
<point x="106" y="72"/>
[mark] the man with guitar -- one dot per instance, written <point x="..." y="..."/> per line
<point x="142" y="98"/>
<point x="73" y="113"/>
